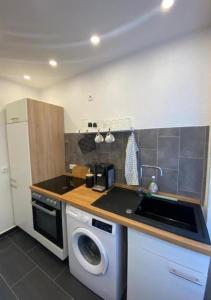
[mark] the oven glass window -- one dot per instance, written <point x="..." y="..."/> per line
<point x="47" y="224"/>
<point x="89" y="250"/>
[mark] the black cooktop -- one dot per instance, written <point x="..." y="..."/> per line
<point x="61" y="185"/>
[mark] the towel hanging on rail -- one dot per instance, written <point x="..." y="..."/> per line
<point x="131" y="161"/>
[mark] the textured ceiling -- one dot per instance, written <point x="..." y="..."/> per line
<point x="33" y="31"/>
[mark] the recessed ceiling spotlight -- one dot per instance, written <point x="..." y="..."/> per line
<point x="53" y="63"/>
<point x="27" y="77"/>
<point x="95" y="40"/>
<point x="167" y="4"/>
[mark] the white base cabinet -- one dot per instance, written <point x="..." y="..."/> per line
<point x="164" y="271"/>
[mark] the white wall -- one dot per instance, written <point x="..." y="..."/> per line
<point x="164" y="86"/>
<point x="9" y="92"/>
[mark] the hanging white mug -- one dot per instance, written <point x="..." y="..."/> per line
<point x="99" y="138"/>
<point x="109" y="137"/>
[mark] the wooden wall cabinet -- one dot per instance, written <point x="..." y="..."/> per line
<point x="46" y="139"/>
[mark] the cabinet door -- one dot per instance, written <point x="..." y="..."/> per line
<point x="16" y="111"/>
<point x="152" y="276"/>
<point x="20" y="174"/>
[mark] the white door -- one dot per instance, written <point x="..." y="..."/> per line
<point x="89" y="251"/>
<point x="20" y="174"/>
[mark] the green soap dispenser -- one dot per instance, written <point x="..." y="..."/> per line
<point x="153" y="187"/>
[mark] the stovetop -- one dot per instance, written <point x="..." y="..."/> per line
<point x="61" y="184"/>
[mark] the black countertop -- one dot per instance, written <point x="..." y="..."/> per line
<point x="126" y="203"/>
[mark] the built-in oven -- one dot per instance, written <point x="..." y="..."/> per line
<point x="47" y="218"/>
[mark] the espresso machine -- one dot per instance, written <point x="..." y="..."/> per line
<point x="104" y="177"/>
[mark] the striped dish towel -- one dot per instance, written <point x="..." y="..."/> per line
<point x="131" y="162"/>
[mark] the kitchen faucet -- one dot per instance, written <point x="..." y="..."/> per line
<point x="140" y="188"/>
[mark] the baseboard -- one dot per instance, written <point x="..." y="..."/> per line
<point x="7" y="231"/>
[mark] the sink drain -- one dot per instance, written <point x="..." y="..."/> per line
<point x="129" y="211"/>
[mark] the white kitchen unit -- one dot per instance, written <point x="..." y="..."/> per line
<point x="6" y="213"/>
<point x="20" y="174"/>
<point x="163" y="271"/>
<point x="35" y="133"/>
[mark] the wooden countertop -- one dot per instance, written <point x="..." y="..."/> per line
<point x="83" y="197"/>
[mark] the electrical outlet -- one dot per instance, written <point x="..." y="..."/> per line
<point x="71" y="166"/>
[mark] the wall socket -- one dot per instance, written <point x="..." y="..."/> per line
<point x="71" y="166"/>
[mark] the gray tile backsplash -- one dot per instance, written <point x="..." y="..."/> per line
<point x="181" y="152"/>
<point x="191" y="175"/>
<point x="147" y="138"/>
<point x="168" y="152"/>
<point x="168" y="182"/>
<point x="148" y="156"/>
<point x="192" y="142"/>
<point x="167" y="132"/>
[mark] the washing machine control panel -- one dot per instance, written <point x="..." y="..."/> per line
<point x="101" y="225"/>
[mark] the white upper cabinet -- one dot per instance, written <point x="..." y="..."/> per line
<point x="17" y="111"/>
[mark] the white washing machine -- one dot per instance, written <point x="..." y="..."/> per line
<point x="97" y="253"/>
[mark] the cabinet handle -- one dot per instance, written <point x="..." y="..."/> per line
<point x="15" y="119"/>
<point x="185" y="276"/>
<point x="48" y="212"/>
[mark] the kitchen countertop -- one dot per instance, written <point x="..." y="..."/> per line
<point x="83" y="198"/>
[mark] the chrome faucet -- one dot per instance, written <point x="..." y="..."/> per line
<point x="153" y="167"/>
<point x="140" y="188"/>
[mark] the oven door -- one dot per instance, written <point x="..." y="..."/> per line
<point x="48" y="222"/>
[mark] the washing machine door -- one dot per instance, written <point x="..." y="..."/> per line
<point x="89" y="251"/>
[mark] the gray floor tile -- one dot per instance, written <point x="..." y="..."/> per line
<point x="70" y="284"/>
<point x="23" y="240"/>
<point x="14" y="264"/>
<point x="12" y="231"/>
<point x="5" y="292"/>
<point x="38" y="286"/>
<point x="47" y="261"/>
<point x="4" y="244"/>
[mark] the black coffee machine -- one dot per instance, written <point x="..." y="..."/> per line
<point x="104" y="177"/>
